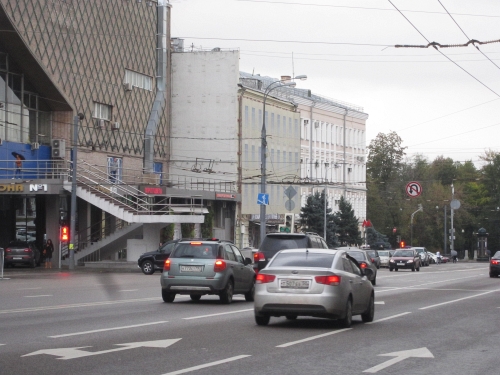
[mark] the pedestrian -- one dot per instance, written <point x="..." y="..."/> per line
<point x="48" y="250"/>
<point x="113" y="169"/>
<point x="438" y="257"/>
<point x="454" y="256"/>
<point x="19" y="164"/>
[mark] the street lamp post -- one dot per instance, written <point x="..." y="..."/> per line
<point x="271" y="87"/>
<point x="420" y="208"/>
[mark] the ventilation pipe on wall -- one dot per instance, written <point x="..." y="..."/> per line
<point x="161" y="84"/>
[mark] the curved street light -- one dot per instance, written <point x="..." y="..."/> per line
<point x="274" y="85"/>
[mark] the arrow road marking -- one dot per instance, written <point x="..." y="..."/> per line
<point x="71" y="353"/>
<point x="400" y="356"/>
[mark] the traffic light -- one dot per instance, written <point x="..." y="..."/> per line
<point x="402" y="245"/>
<point x="289" y="223"/>
<point x="65" y="233"/>
<point x="284" y="229"/>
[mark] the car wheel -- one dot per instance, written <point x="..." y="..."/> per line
<point x="167" y="296"/>
<point x="147" y="267"/>
<point x="396" y="269"/>
<point x="346" y="321"/>
<point x="368" y="315"/>
<point x="33" y="263"/>
<point x="291" y="317"/>
<point x="249" y="296"/>
<point x="262" y="320"/>
<point x="492" y="274"/>
<point x="195" y="297"/>
<point x="226" y="296"/>
<point x="374" y="281"/>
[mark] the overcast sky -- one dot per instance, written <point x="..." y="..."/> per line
<point x="346" y="48"/>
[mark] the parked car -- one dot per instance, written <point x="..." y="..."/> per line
<point x="152" y="261"/>
<point x="314" y="282"/>
<point x="274" y="242"/>
<point x="405" y="259"/>
<point x="495" y="265"/>
<point x="424" y="256"/>
<point x="364" y="260"/>
<point x="22" y="253"/>
<point x="432" y="257"/>
<point x="374" y="257"/>
<point x="205" y="267"/>
<point x="384" y="256"/>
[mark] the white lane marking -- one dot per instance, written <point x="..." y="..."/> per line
<point x="210" y="364"/>
<point x="400" y="356"/>
<point x="30" y="288"/>
<point x="405" y="274"/>
<point x="389" y="317"/>
<point x="90" y="304"/>
<point x="458" y="300"/>
<point x="414" y="286"/>
<point x="224" y="313"/>
<point x="40" y="295"/>
<point x="106" y="329"/>
<point x="2" y="344"/>
<point x="379" y="303"/>
<point x="312" y="338"/>
<point x="129" y="290"/>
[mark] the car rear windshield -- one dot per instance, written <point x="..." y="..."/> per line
<point x="196" y="250"/>
<point x="273" y="244"/>
<point x="403" y="253"/>
<point x="372" y="254"/>
<point x="358" y="255"/>
<point x="303" y="259"/>
<point x="383" y="253"/>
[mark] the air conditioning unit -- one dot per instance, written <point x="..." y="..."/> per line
<point x="58" y="148"/>
<point x="35" y="146"/>
<point x="349" y="170"/>
<point x="101" y="124"/>
<point x="127" y="86"/>
<point x="115" y="126"/>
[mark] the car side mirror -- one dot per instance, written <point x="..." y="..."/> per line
<point x="247" y="261"/>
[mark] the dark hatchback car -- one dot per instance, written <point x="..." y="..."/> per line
<point x="153" y="260"/>
<point x="495" y="265"/>
<point x="364" y="261"/>
<point x="22" y="253"/>
<point x="374" y="257"/>
<point x="274" y="242"/>
<point x="405" y="259"/>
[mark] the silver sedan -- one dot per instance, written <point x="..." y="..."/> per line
<point x="314" y="282"/>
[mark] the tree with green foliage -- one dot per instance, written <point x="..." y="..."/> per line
<point x="312" y="218"/>
<point x="347" y="224"/>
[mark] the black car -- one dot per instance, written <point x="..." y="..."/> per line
<point x="154" y="260"/>
<point x="495" y="265"/>
<point x="22" y="253"/>
<point x="274" y="242"/>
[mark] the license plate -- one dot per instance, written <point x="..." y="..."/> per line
<point x="17" y="258"/>
<point x="294" y="284"/>
<point x="191" y="268"/>
<point x="401" y="264"/>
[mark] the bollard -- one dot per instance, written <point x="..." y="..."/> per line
<point x="2" y="262"/>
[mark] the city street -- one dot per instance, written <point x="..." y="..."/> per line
<point x="441" y="320"/>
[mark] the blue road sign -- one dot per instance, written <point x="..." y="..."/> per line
<point x="263" y="199"/>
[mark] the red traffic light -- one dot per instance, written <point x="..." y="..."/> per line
<point x="402" y="245"/>
<point x="64" y="233"/>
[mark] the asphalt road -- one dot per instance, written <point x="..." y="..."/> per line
<point x="441" y="320"/>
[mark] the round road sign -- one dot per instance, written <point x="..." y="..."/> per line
<point x="413" y="189"/>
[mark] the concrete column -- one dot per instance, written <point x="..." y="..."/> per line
<point x="177" y="231"/>
<point x="197" y="230"/>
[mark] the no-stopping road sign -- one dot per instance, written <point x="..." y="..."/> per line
<point x="413" y="189"/>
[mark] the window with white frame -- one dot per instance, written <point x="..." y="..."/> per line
<point x="139" y="80"/>
<point x="102" y="111"/>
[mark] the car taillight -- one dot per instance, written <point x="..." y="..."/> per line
<point x="27" y="250"/>
<point x="7" y="250"/>
<point x="263" y="278"/>
<point x="494" y="262"/>
<point x="363" y="265"/>
<point x="219" y="265"/>
<point x="166" y="265"/>
<point x="258" y="256"/>
<point x="328" y="280"/>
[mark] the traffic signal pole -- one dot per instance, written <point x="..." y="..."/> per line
<point x="72" y="232"/>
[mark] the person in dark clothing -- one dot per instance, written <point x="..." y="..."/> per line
<point x="48" y="250"/>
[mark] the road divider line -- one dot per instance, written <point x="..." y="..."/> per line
<point x="40" y="295"/>
<point x="312" y="338"/>
<point x="415" y="286"/>
<point x="389" y="317"/>
<point x="128" y="290"/>
<point x="30" y="288"/>
<point x="210" y="364"/>
<point x="106" y="329"/>
<point x="379" y="303"/>
<point x="458" y="300"/>
<point x="76" y="305"/>
<point x="210" y="315"/>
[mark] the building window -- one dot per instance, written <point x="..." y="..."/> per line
<point x="115" y="169"/>
<point x="284" y="127"/>
<point x="246" y="115"/>
<point x="278" y="130"/>
<point x="102" y="111"/>
<point x="139" y="80"/>
<point x="253" y="116"/>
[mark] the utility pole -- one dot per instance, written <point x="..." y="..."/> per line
<point x="72" y="231"/>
